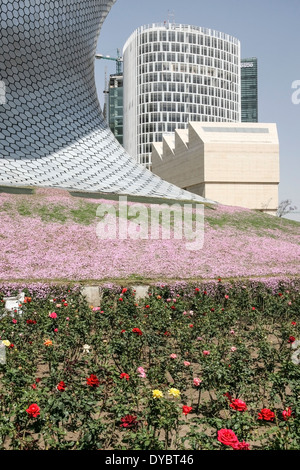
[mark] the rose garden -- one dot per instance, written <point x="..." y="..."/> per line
<point x="188" y="367"/>
<point x="208" y="359"/>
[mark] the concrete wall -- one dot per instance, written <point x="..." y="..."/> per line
<point x="232" y="163"/>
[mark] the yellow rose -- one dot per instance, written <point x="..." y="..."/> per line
<point x="48" y="342"/>
<point x="6" y="342"/>
<point x="157" y="394"/>
<point x="174" y="392"/>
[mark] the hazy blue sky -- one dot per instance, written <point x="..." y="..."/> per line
<point x="267" y="29"/>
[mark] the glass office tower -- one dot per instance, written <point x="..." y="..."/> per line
<point x="249" y="90"/>
<point x="173" y="74"/>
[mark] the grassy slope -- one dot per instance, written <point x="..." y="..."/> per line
<point x="48" y="208"/>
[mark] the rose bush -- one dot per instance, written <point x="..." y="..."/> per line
<point x="138" y="374"/>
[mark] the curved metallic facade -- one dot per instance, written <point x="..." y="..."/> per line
<point x="52" y="131"/>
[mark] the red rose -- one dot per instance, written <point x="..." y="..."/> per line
<point x="92" y="381"/>
<point x="124" y="376"/>
<point x="291" y="339"/>
<point x="124" y="290"/>
<point x="61" y="386"/>
<point x="186" y="409"/>
<point x="242" y="446"/>
<point x="238" y="405"/>
<point x="128" y="421"/>
<point x="33" y="410"/>
<point x="227" y="437"/>
<point x="286" y="414"/>
<point x="137" y="331"/>
<point x="266" y="414"/>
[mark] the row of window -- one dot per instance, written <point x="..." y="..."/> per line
<point x="203" y="59"/>
<point x="185" y="84"/>
<point x="178" y="83"/>
<point x="188" y="57"/>
<point x="184" y="79"/>
<point x="230" y="114"/>
<point x="215" y="68"/>
<point x="189" y="106"/>
<point x="186" y="48"/>
<point x="225" y="89"/>
<point x="187" y="37"/>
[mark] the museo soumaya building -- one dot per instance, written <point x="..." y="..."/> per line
<point x="174" y="74"/>
<point x="52" y="130"/>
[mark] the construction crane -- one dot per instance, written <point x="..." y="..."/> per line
<point x="118" y="60"/>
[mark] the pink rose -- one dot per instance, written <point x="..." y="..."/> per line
<point x="142" y="372"/>
<point x="197" y="381"/>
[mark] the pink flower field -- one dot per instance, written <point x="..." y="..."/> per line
<point x="51" y="235"/>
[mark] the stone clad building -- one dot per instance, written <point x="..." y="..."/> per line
<point x="236" y="164"/>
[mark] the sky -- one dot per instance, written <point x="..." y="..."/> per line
<point x="266" y="29"/>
